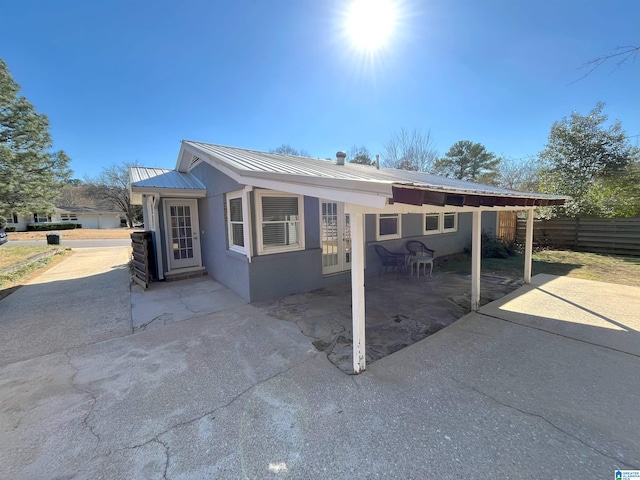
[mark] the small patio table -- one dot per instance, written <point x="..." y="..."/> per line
<point x="420" y="259"/>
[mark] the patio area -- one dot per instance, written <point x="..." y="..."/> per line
<point x="400" y="310"/>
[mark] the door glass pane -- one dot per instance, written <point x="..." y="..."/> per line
<point x="182" y="237"/>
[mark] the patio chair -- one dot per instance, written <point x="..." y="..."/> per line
<point x="389" y="259"/>
<point x="420" y="255"/>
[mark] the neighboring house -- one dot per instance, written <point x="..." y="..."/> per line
<point x="267" y="224"/>
<point x="87" y="217"/>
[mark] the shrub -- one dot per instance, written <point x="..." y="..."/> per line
<point x="493" y="247"/>
<point x="40" y="227"/>
<point x="10" y="229"/>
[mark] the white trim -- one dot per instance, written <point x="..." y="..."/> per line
<point x="301" y="231"/>
<point x="390" y="236"/>
<point x="440" y="229"/>
<point x="238" y="194"/>
<point x="246" y="216"/>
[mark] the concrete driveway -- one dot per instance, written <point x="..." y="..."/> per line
<point x="542" y="384"/>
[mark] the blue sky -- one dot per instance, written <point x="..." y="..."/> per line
<point x="127" y="80"/>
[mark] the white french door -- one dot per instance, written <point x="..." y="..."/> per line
<point x="183" y="246"/>
<point x="335" y="237"/>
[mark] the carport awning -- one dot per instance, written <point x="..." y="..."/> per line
<point x="419" y="195"/>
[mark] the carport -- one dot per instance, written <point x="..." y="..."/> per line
<point x="449" y="195"/>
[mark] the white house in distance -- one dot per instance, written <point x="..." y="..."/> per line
<point x="87" y="217"/>
<point x="266" y="224"/>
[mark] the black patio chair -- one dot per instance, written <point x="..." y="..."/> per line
<point x="389" y="259"/>
<point x="420" y="254"/>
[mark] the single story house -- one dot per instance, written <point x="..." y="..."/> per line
<point x="267" y="224"/>
<point x="87" y="217"/>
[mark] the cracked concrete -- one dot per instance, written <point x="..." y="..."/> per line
<point x="400" y="311"/>
<point x="240" y="394"/>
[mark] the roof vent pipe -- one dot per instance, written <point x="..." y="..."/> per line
<point x="378" y="161"/>
<point x="340" y="156"/>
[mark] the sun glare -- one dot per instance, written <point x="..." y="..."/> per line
<point x="371" y="23"/>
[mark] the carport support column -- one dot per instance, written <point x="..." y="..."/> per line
<point x="528" y="247"/>
<point x="476" y="255"/>
<point x="357" y="291"/>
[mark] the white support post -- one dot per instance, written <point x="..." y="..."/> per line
<point x="476" y="254"/>
<point x="528" y="247"/>
<point x="357" y="292"/>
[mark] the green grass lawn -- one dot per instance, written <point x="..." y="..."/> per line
<point x="11" y="255"/>
<point x="620" y="269"/>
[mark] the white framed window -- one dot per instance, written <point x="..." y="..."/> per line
<point x="41" y="218"/>
<point x="235" y="221"/>
<point x="279" y="221"/>
<point x="388" y="226"/>
<point x="432" y="223"/>
<point x="440" y="223"/>
<point x="449" y="222"/>
<point x="13" y="218"/>
<point x="66" y="217"/>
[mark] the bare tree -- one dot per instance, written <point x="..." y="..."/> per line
<point x="111" y="189"/>
<point x="287" y="149"/>
<point x="519" y="175"/>
<point x="410" y="150"/>
<point x="621" y="55"/>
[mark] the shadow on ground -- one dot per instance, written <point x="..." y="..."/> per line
<point x="400" y="310"/>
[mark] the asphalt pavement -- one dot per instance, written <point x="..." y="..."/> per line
<point x="524" y="388"/>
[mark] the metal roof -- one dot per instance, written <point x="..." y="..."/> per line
<point x="254" y="164"/>
<point x="154" y="178"/>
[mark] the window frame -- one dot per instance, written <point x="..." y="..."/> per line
<point x="437" y="230"/>
<point x="389" y="236"/>
<point x="441" y="228"/>
<point x="262" y="250"/>
<point x="36" y="218"/>
<point x="232" y="246"/>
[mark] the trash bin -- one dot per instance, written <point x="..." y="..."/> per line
<point x="53" y="239"/>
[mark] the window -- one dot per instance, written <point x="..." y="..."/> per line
<point x="449" y="222"/>
<point x="440" y="223"/>
<point x="388" y="225"/>
<point x="235" y="221"/>
<point x="41" y="218"/>
<point x="13" y="218"/>
<point x="432" y="223"/>
<point x="66" y="217"/>
<point x="280" y="221"/>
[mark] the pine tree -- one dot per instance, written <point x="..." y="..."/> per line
<point x="30" y="172"/>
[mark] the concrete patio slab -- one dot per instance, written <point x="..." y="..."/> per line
<point x="400" y="310"/>
<point x="604" y="314"/>
<point x="82" y="300"/>
<point x="165" y="303"/>
<point x="241" y="394"/>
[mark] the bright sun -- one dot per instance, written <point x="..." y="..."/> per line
<point x="370" y="23"/>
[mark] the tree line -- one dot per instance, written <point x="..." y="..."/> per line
<point x="585" y="157"/>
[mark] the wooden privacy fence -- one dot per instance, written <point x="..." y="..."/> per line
<point x="144" y="267"/>
<point x="620" y="236"/>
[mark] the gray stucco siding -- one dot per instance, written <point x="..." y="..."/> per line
<point x="227" y="267"/>
<point x="412" y="229"/>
